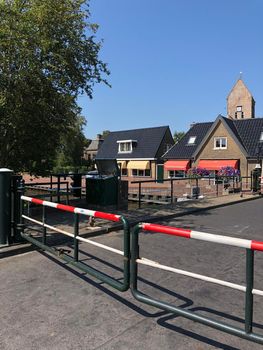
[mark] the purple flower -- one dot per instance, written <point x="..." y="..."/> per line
<point x="228" y="171"/>
<point x="198" y="172"/>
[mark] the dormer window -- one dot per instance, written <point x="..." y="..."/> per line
<point x="191" y="140"/>
<point x="126" y="146"/>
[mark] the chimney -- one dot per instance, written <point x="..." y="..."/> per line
<point x="192" y="124"/>
<point x="99" y="136"/>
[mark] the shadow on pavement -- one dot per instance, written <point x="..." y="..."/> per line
<point x="163" y="316"/>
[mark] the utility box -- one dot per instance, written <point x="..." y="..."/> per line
<point x="106" y="188"/>
<point x="102" y="190"/>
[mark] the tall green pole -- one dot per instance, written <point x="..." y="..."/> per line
<point x="5" y="205"/>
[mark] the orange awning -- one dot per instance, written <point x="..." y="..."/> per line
<point x="177" y="165"/>
<point x="217" y="164"/>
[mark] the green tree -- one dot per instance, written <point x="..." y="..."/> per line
<point x="70" y="152"/>
<point x="48" y="56"/>
<point x="178" y="135"/>
<point x="105" y="133"/>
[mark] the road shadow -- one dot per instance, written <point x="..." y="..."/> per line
<point x="163" y="322"/>
<point x="162" y="317"/>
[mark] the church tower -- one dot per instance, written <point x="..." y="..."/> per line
<point x="240" y="102"/>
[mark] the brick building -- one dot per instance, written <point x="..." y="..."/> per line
<point x="91" y="151"/>
<point x="235" y="140"/>
<point x="138" y="152"/>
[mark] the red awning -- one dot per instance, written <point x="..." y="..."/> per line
<point x="217" y="164"/>
<point x="177" y="165"/>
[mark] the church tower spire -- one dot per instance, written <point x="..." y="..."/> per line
<point x="240" y="102"/>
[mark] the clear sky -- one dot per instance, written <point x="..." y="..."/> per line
<point x="173" y="62"/>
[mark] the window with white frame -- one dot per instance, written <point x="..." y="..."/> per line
<point x="220" y="143"/>
<point x="141" y="172"/>
<point x="126" y="146"/>
<point x="176" y="173"/>
<point x="261" y="137"/>
<point x="191" y="140"/>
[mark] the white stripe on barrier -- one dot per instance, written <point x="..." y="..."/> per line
<point x="25" y="198"/>
<point x="152" y="263"/>
<point x="79" y="238"/>
<point x="48" y="226"/>
<point x="84" y="211"/>
<point x="50" y="204"/>
<point x="117" y="251"/>
<point x="237" y="242"/>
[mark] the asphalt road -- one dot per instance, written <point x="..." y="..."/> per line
<point x="46" y="304"/>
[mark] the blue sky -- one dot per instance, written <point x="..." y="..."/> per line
<point x="173" y="62"/>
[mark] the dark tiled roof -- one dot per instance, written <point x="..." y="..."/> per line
<point x="246" y="131"/>
<point x="249" y="131"/>
<point x="182" y="150"/>
<point x="148" y="143"/>
<point x="94" y="145"/>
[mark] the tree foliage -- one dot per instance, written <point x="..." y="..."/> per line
<point x="178" y="135"/>
<point x="48" y="56"/>
<point x="105" y="133"/>
<point x="70" y="152"/>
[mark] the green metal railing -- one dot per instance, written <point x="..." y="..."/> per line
<point x="196" y="180"/>
<point x="76" y="238"/>
<point x="246" y="333"/>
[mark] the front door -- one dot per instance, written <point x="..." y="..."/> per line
<point x="160" y="173"/>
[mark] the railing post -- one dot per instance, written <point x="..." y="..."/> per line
<point x="134" y="256"/>
<point x="76" y="233"/>
<point x="58" y="189"/>
<point x="172" y="191"/>
<point x="140" y="192"/>
<point x="51" y="187"/>
<point x="15" y="236"/>
<point x="44" y="231"/>
<point x="249" y="288"/>
<point x="67" y="189"/>
<point x="216" y="179"/>
<point x="21" y="190"/>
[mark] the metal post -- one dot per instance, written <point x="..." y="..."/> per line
<point x="67" y="193"/>
<point x="140" y="192"/>
<point x="21" y="226"/>
<point x="76" y="233"/>
<point x="58" y="189"/>
<point x="216" y="179"/>
<point x="44" y="216"/>
<point x="51" y="186"/>
<point x="15" y="180"/>
<point x="249" y="288"/>
<point x="5" y="205"/>
<point x="172" y="191"/>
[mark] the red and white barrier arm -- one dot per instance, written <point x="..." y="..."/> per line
<point x="71" y="209"/>
<point x="180" y="232"/>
